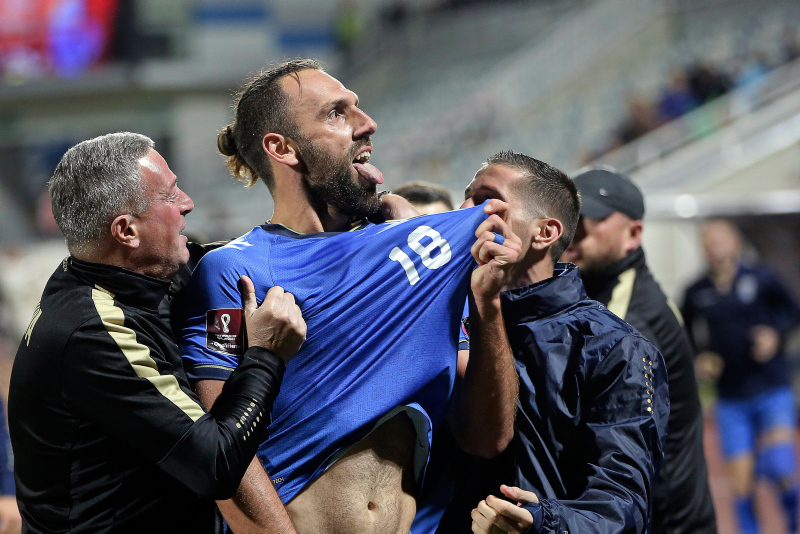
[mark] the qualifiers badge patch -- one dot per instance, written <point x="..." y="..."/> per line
<point x="225" y="331"/>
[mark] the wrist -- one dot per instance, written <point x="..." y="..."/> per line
<point x="488" y="305"/>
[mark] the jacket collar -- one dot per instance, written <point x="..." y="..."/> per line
<point x="131" y="288"/>
<point x="547" y="297"/>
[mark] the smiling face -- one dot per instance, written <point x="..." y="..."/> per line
<point x="162" y="250"/>
<point x="335" y="146"/>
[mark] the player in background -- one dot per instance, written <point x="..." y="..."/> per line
<point x="301" y="132"/>
<point x="426" y="197"/>
<point x="741" y="314"/>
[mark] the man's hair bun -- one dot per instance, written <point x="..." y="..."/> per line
<point x="226" y="143"/>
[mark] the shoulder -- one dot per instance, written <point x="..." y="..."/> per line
<point x="608" y="336"/>
<point x="227" y="262"/>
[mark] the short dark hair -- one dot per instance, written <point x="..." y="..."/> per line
<point x="261" y="106"/>
<point x="547" y="192"/>
<point x="424" y="193"/>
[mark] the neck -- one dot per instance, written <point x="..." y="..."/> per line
<point x="296" y="211"/>
<point x="108" y="254"/>
<point x="722" y="275"/>
<point x="532" y="273"/>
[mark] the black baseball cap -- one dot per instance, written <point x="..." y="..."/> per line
<point x="604" y="191"/>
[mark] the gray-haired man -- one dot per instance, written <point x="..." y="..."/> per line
<point x="107" y="434"/>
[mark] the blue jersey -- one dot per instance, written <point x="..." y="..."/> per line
<point x="382" y="304"/>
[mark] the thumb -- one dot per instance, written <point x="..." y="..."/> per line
<point x="519" y="495"/>
<point x="248" y="292"/>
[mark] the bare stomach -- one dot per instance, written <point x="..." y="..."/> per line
<point x="368" y="491"/>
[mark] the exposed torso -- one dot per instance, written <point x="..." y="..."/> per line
<point x="369" y="490"/>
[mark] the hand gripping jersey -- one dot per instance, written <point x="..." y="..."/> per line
<point x="382" y="304"/>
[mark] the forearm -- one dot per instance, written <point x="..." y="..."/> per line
<point x="214" y="455"/>
<point x="256" y="506"/>
<point x="488" y="401"/>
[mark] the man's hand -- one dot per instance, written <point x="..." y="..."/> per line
<point x="495" y="260"/>
<point x="498" y="516"/>
<point x="10" y="520"/>
<point x="708" y="366"/>
<point x="277" y="325"/>
<point x="396" y="207"/>
<point x="766" y="341"/>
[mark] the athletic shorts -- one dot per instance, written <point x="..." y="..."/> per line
<point x="742" y="421"/>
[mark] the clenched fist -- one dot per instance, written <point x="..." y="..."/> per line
<point x="277" y="325"/>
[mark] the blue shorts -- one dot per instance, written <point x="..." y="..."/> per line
<point x="742" y="421"/>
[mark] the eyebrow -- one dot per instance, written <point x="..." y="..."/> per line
<point x="339" y="102"/>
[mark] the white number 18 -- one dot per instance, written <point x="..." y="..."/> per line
<point x="414" y="238"/>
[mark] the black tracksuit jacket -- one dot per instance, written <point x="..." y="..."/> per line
<point x="107" y="434"/>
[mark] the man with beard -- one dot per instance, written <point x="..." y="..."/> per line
<point x="607" y="250"/>
<point x="350" y="433"/>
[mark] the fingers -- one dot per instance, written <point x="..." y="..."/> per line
<point x="248" y="293"/>
<point x="277" y="325"/>
<point x="487" y="248"/>
<point x="487" y="518"/>
<point x="510" y="511"/>
<point x="496" y="206"/>
<point x="494" y="224"/>
<point x="276" y="301"/>
<point x="518" y="494"/>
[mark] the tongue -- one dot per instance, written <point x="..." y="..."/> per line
<point x="369" y="171"/>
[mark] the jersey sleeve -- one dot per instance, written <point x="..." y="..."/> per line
<point x="120" y="383"/>
<point x="212" y="336"/>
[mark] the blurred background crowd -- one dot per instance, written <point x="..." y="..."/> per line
<point x="697" y="100"/>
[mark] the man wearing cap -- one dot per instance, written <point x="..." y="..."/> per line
<point x="607" y="250"/>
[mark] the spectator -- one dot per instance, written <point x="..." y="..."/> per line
<point x="706" y="82"/>
<point x="642" y="118"/>
<point x="741" y="314"/>
<point x="676" y="99"/>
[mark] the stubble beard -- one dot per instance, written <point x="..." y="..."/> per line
<point x="330" y="181"/>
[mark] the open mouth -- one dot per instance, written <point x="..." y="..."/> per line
<point x="366" y="169"/>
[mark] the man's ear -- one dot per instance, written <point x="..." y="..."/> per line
<point x="633" y="237"/>
<point x="545" y="233"/>
<point x="125" y="231"/>
<point x="281" y="149"/>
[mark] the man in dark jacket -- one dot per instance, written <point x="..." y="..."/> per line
<point x="593" y="402"/>
<point x="107" y="434"/>
<point x="607" y="250"/>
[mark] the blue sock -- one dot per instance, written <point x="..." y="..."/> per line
<point x="746" y="515"/>
<point x="778" y="463"/>
<point x="789" y="503"/>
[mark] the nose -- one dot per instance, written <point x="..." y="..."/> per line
<point x="469" y="203"/>
<point x="187" y="205"/>
<point x="366" y="126"/>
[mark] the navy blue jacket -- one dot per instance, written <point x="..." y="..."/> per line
<point x="593" y="409"/>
